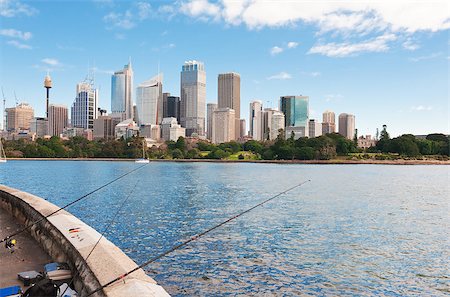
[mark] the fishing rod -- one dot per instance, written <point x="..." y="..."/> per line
<point x="70" y="204"/>
<point x="193" y="238"/>
<point x="108" y="225"/>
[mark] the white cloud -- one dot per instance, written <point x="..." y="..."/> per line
<point x="13" y="8"/>
<point x="51" y="62"/>
<point x="333" y="97"/>
<point x="292" y="44"/>
<point x="276" y="50"/>
<point x="313" y="74"/>
<point x="421" y="108"/>
<point x="18" y="44"/>
<point x="201" y="8"/>
<point x="378" y="44"/>
<point x="123" y="21"/>
<point x="427" y="57"/>
<point x="280" y="76"/>
<point x="144" y="10"/>
<point x="15" y="34"/>
<point x="410" y="45"/>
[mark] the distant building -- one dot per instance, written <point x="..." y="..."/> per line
<point x="277" y="124"/>
<point x="242" y="128"/>
<point x="193" y="97"/>
<point x="149" y="101"/>
<point x="19" y="117"/>
<point x="171" y="130"/>
<point x="70" y="132"/>
<point x="266" y="122"/>
<point x="85" y="107"/>
<point x="57" y="119"/>
<point x="122" y="92"/>
<point x="126" y="129"/>
<point x="328" y="122"/>
<point x="171" y="107"/>
<point x="39" y="126"/>
<point x="104" y="127"/>
<point x="255" y="120"/>
<point x="150" y="131"/>
<point x="229" y="95"/>
<point x="315" y="128"/>
<point x="366" y="142"/>
<point x="296" y="114"/>
<point x="347" y="125"/>
<point x="210" y="107"/>
<point x="224" y="125"/>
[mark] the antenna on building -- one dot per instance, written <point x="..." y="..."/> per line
<point x="17" y="102"/>
<point x="4" y="111"/>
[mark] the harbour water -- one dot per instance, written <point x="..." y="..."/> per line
<point x="370" y="230"/>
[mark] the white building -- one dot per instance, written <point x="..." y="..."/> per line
<point x="224" y="125"/>
<point x="149" y="101"/>
<point x="315" y="128"/>
<point x="277" y="124"/>
<point x="126" y="129"/>
<point x="255" y="120"/>
<point x="84" y="109"/>
<point x="122" y="92"/>
<point x="299" y="131"/>
<point x="150" y="131"/>
<point x="210" y="107"/>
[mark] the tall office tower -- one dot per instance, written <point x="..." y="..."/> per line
<point x="266" y="124"/>
<point x="229" y="95"/>
<point x="47" y="86"/>
<point x="193" y="97"/>
<point x="210" y="107"/>
<point x="84" y="109"/>
<point x="296" y="115"/>
<point x="315" y="128"/>
<point x="242" y="128"/>
<point x="149" y="101"/>
<point x="122" y="92"/>
<point x="19" y="117"/>
<point x="255" y="120"/>
<point x="328" y="122"/>
<point x="57" y="119"/>
<point x="347" y="125"/>
<point x="224" y="125"/>
<point x="277" y="124"/>
<point x="171" y="106"/>
<point x="39" y="126"/>
<point x="104" y="127"/>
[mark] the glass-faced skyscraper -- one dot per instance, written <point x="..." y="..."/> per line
<point x="193" y="97"/>
<point x="149" y="101"/>
<point x="122" y="92"/>
<point x="296" y="110"/>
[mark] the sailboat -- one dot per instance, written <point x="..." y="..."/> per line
<point x="2" y="153"/>
<point x="142" y="160"/>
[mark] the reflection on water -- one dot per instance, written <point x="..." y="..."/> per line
<point x="353" y="230"/>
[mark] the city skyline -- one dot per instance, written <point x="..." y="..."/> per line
<point x="383" y="70"/>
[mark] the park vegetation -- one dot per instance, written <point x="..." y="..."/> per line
<point x="325" y="147"/>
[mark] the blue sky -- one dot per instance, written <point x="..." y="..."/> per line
<point x="387" y="63"/>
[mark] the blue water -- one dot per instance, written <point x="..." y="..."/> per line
<point x="353" y="230"/>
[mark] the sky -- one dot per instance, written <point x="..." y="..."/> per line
<point x="386" y="62"/>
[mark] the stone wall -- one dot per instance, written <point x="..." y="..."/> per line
<point x="67" y="239"/>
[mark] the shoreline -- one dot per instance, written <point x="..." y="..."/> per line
<point x="312" y="162"/>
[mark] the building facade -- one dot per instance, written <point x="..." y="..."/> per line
<point x="149" y="101"/>
<point x="243" y="128"/>
<point x="122" y="92"/>
<point x="39" y="126"/>
<point x="277" y="124"/>
<point x="85" y="107"/>
<point x="229" y="95"/>
<point x="19" y="117"/>
<point x="210" y="107"/>
<point x="315" y="128"/>
<point x="171" y="107"/>
<point x="224" y="125"/>
<point x="104" y="127"/>
<point x="366" y="142"/>
<point x="328" y="122"/>
<point x="126" y="129"/>
<point x="171" y="130"/>
<point x="57" y="119"/>
<point x="193" y="97"/>
<point x="255" y="120"/>
<point x="347" y="125"/>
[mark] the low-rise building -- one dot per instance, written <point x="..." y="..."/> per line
<point x="104" y="127"/>
<point x="366" y="142"/>
<point x="126" y="129"/>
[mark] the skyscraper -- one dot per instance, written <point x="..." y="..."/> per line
<point x="255" y="120"/>
<point x="84" y="109"/>
<point x="347" y="125"/>
<point x="315" y="128"/>
<point x="229" y="95"/>
<point x="224" y="125"/>
<point x="210" y="107"/>
<point x="57" y="119"/>
<point x="39" y="126"/>
<point x="171" y="106"/>
<point x="193" y="97"/>
<point x="296" y="114"/>
<point x="122" y="92"/>
<point x="19" y="117"/>
<point x="328" y="122"/>
<point x="104" y="127"/>
<point x="277" y="123"/>
<point x="149" y="101"/>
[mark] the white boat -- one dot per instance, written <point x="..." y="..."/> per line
<point x="142" y="160"/>
<point x="2" y="153"/>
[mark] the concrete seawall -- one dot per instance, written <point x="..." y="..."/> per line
<point x="55" y="235"/>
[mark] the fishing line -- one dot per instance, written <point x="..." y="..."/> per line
<point x="71" y="203"/>
<point x="193" y="238"/>
<point x="108" y="225"/>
